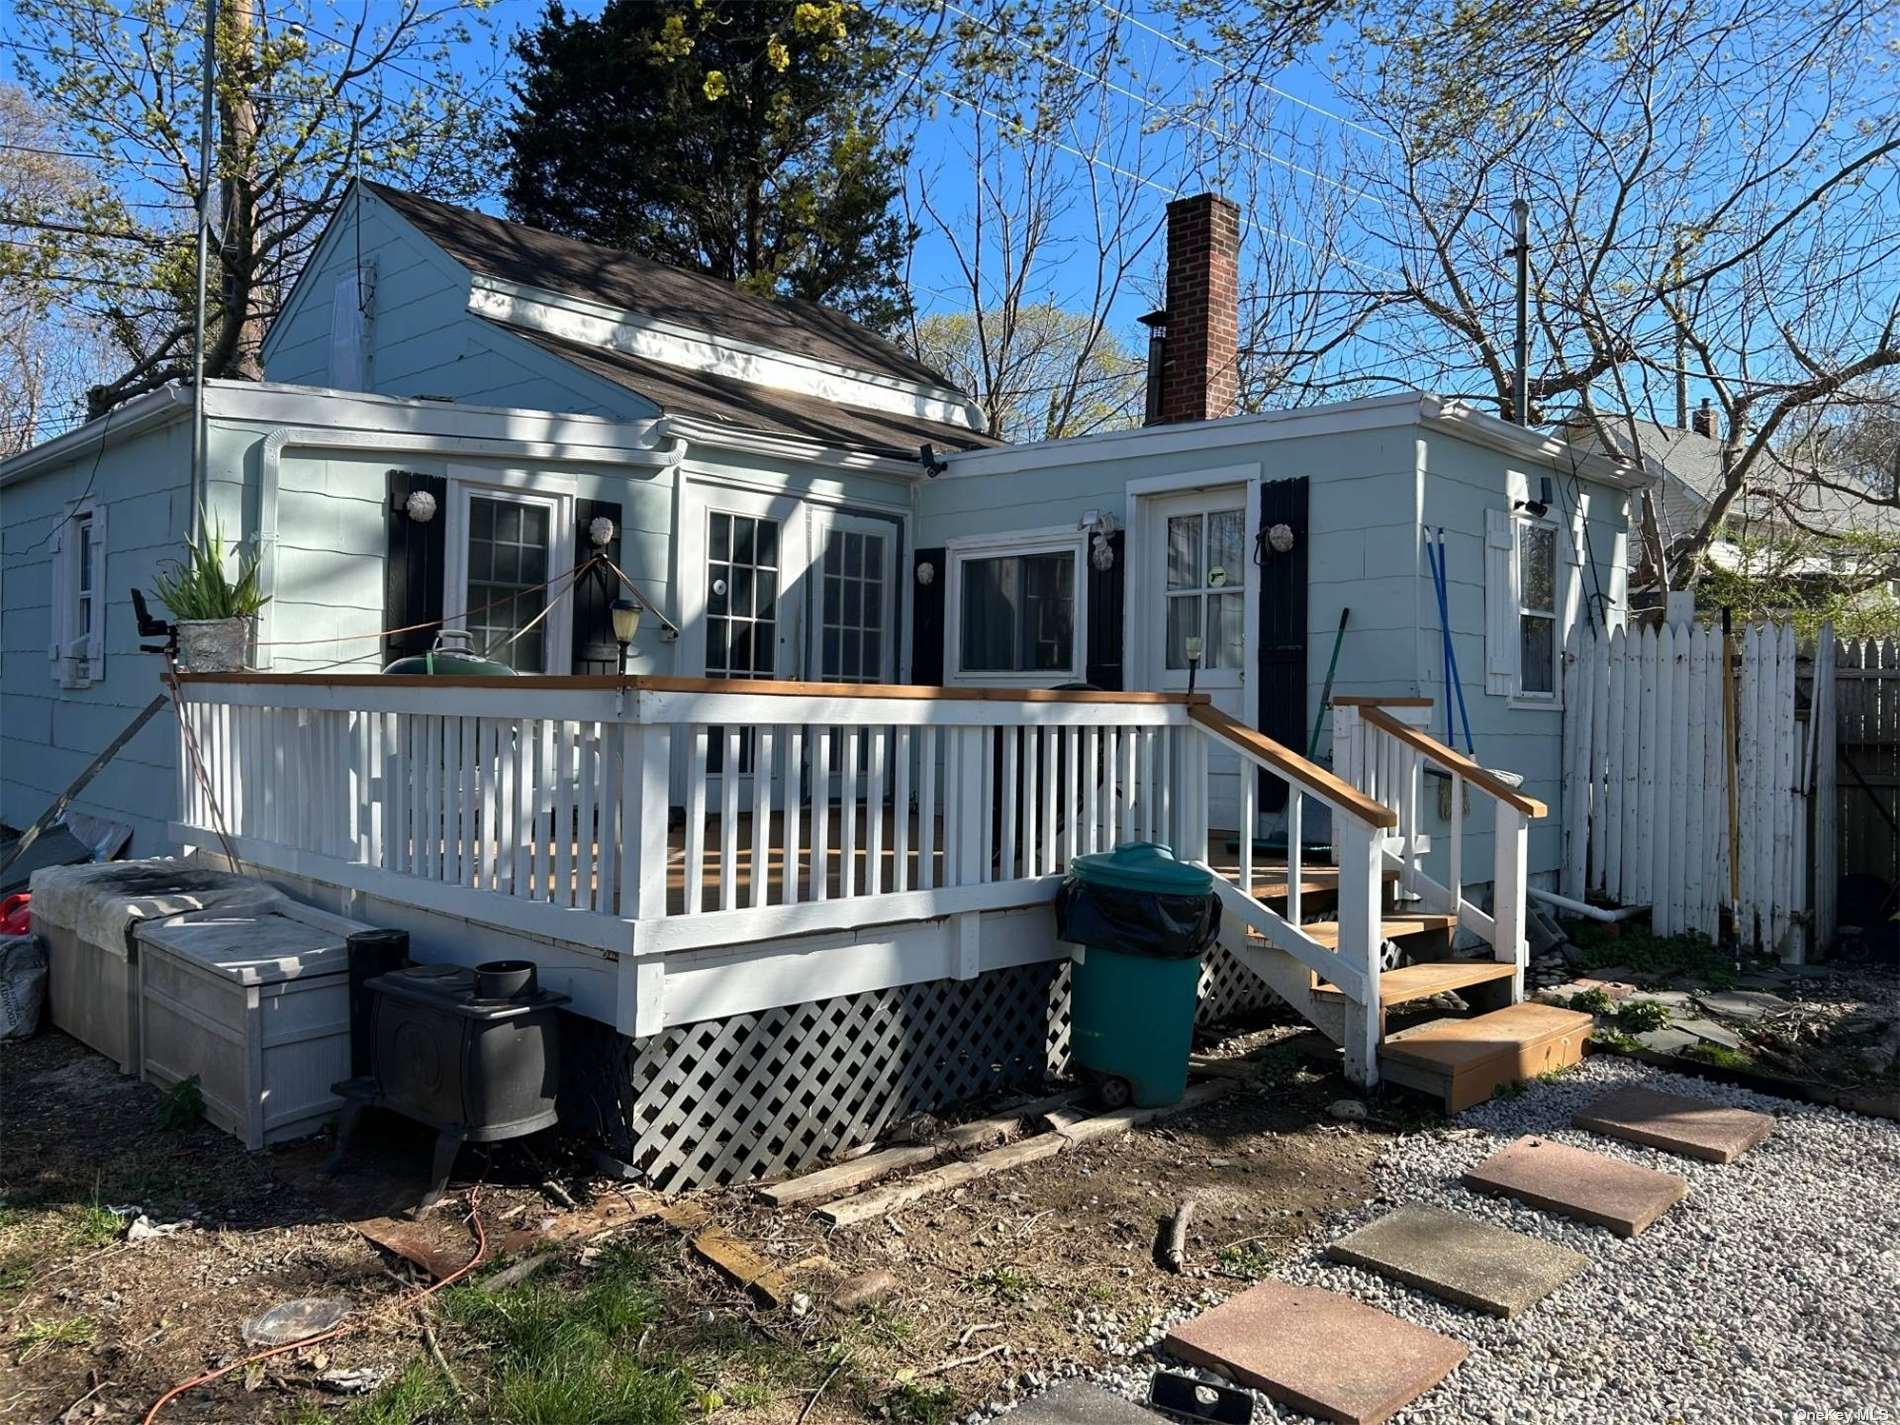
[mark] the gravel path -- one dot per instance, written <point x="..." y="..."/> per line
<point x="1770" y="1292"/>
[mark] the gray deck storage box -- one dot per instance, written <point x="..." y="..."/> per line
<point x="257" y="1006"/>
<point x="85" y="914"/>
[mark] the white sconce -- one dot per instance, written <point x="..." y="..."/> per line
<point x="1280" y="538"/>
<point x="1100" y="525"/>
<point x="420" y="506"/>
<point x="926" y="573"/>
<point x="600" y="531"/>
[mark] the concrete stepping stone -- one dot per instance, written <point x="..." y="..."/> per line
<point x="1606" y="1192"/>
<point x="1675" y="1124"/>
<point x="1078" y="1402"/>
<point x="1318" y="1351"/>
<point x="1470" y="1263"/>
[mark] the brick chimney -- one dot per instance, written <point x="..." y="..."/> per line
<point x="1193" y="373"/>
<point x="1704" y="420"/>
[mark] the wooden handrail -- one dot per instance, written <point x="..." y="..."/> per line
<point x="903" y="692"/>
<point x="1295" y="768"/>
<point x="1368" y="700"/>
<point x="1454" y="761"/>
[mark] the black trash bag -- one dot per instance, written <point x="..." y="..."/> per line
<point x="1168" y="927"/>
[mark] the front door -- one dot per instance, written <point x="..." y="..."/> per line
<point x="1196" y="577"/>
<point x="853" y="630"/>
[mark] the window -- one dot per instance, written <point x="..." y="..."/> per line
<point x="1537" y="639"/>
<point x="1207" y="574"/>
<point x="77" y="649"/>
<point x="508" y="548"/>
<point x="1017" y="614"/>
<point x="742" y="585"/>
<point x="851" y="608"/>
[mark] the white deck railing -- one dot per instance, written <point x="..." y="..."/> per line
<point x="655" y="816"/>
<point x="1385" y="755"/>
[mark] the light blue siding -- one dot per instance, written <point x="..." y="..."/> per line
<point x="48" y="733"/>
<point x="422" y="339"/>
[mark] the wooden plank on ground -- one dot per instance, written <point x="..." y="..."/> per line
<point x="842" y="1178"/>
<point x="763" y="1278"/>
<point x="871" y="1205"/>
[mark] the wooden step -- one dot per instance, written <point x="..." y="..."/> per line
<point x="1438" y="977"/>
<point x="1464" y="1061"/>
<point x="1393" y="927"/>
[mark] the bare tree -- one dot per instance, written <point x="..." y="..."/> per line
<point x="306" y="97"/>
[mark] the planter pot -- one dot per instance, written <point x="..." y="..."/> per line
<point x="214" y="645"/>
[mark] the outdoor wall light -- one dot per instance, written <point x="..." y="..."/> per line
<point x="1192" y="646"/>
<point x="1101" y="554"/>
<point x="420" y="506"/>
<point x="1280" y="538"/>
<point x="626" y="618"/>
<point x="926" y="573"/>
<point x="600" y="531"/>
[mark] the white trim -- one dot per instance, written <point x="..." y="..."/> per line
<point x="713" y="436"/>
<point x="1552" y="701"/>
<point x="73" y="666"/>
<point x="1050" y="539"/>
<point x="1372" y="413"/>
<point x="1136" y="596"/>
<point x="830" y="496"/>
<point x="552" y="492"/>
<point x="601" y="325"/>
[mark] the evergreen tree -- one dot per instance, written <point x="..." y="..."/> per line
<point x="743" y="138"/>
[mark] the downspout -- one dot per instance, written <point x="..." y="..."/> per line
<point x="1584" y="908"/>
<point x="270" y="478"/>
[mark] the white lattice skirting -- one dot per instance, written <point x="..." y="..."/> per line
<point x="761" y="1095"/>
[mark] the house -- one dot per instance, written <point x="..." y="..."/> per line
<point x="1782" y="507"/>
<point x="750" y="885"/>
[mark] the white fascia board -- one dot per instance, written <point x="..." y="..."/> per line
<point x="318" y="407"/>
<point x="140" y="414"/>
<point x="1481" y="428"/>
<point x="710" y="435"/>
<point x="1373" y="413"/>
<point x="589" y="323"/>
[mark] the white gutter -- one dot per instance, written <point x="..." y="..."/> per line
<point x="381" y="442"/>
<point x="721" y="437"/>
<point x="141" y="413"/>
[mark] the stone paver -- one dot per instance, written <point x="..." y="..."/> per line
<point x="1741" y="1004"/>
<point x="1676" y="1124"/>
<point x="1715" y="1033"/>
<point x="1318" y="1351"/>
<point x="1471" y="1263"/>
<point x="1078" y="1402"/>
<point x="1667" y="1040"/>
<point x="1604" y="1191"/>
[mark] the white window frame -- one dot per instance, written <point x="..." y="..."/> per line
<point x="78" y="660"/>
<point x="1060" y="539"/>
<point x="557" y="494"/>
<point x="1521" y="519"/>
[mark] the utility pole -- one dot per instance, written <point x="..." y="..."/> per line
<point x="205" y="114"/>
<point x="1521" y="388"/>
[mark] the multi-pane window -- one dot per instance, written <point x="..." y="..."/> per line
<point x="852" y="608"/>
<point x="84" y="598"/>
<point x="1018" y="614"/>
<point x="1536" y="608"/>
<point x="742" y="576"/>
<point x="1206" y="593"/>
<point x="507" y="580"/>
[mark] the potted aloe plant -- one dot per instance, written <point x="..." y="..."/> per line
<point x="214" y="612"/>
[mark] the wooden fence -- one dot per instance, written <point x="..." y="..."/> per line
<point x="1686" y="779"/>
<point x="1857" y="765"/>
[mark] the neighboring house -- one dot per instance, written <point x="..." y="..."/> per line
<point x="1781" y="504"/>
<point x="532" y="384"/>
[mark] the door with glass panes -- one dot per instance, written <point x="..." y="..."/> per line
<point x="1198" y="573"/>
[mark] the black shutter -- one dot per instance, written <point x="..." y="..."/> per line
<point x="926" y="626"/>
<point x="595" y="651"/>
<point x="1282" y="627"/>
<point x="1104" y="668"/>
<point x="412" y="572"/>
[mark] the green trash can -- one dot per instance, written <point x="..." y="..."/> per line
<point x="1143" y="919"/>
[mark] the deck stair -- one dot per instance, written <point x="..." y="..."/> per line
<point x="1326" y="959"/>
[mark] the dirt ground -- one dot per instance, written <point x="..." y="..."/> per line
<point x="1030" y="1272"/>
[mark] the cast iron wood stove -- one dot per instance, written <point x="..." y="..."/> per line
<point x="473" y="1054"/>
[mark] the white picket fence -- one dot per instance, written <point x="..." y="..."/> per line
<point x="1650" y="755"/>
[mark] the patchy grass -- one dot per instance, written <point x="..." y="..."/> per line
<point x="182" y="1107"/>
<point x="1250" y="1261"/>
<point x="1655" y="957"/>
<point x="1002" y="1284"/>
<point x="917" y="1403"/>
<point x="1514" y="1088"/>
<point x="38" y="1337"/>
<point x="1723" y="1057"/>
<point x="1625" y="1017"/>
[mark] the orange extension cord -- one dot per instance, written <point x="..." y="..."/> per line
<point x="481" y="1250"/>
